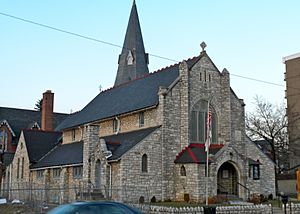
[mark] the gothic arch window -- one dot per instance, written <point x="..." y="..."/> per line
<point x="182" y="171"/>
<point x="144" y="163"/>
<point x="199" y="122"/>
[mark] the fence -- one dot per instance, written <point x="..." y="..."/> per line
<point x="38" y="195"/>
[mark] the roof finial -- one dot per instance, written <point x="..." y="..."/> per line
<point x="203" y="46"/>
<point x="133" y="2"/>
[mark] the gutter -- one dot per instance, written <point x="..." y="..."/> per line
<point x="54" y="167"/>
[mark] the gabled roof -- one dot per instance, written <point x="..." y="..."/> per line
<point x="72" y="153"/>
<point x="135" y="95"/>
<point x="260" y="148"/>
<point x="39" y="143"/>
<point x="63" y="154"/>
<point x="121" y="143"/>
<point x="133" y="48"/>
<point x="19" y="119"/>
<point x="195" y="153"/>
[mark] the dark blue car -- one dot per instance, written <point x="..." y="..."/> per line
<point x="102" y="207"/>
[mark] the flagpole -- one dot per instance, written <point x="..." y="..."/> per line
<point x="207" y="153"/>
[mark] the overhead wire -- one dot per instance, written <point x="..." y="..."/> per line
<point x="120" y="46"/>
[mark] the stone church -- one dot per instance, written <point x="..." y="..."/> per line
<point x="144" y="138"/>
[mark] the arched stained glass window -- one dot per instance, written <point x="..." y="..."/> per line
<point x="199" y="126"/>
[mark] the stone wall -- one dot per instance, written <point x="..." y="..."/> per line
<point x="192" y="186"/>
<point x="266" y="184"/>
<point x="216" y="89"/>
<point x="20" y="155"/>
<point x="90" y="140"/>
<point x="68" y="135"/>
<point x="130" y="122"/>
<point x="133" y="182"/>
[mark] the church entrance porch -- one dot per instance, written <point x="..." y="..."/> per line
<point x="227" y="182"/>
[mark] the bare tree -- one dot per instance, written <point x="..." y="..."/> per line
<point x="39" y="105"/>
<point x="269" y="122"/>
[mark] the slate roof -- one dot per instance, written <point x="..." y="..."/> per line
<point x="121" y="143"/>
<point x="72" y="153"/>
<point x="63" y="154"/>
<point x="133" y="44"/>
<point x="265" y="146"/>
<point x="19" y="119"/>
<point x="195" y="153"/>
<point x="39" y="143"/>
<point x="137" y="94"/>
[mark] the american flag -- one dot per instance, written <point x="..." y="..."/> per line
<point x="208" y="128"/>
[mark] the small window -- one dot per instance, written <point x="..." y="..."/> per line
<point x="182" y="171"/>
<point x="73" y="134"/>
<point x="77" y="172"/>
<point x="56" y="173"/>
<point x="116" y="125"/>
<point x="256" y="172"/>
<point x="144" y="163"/>
<point x="141" y="119"/>
<point x="22" y="172"/>
<point x="18" y="168"/>
<point x="200" y="76"/>
<point x="39" y="174"/>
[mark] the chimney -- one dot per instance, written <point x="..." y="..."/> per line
<point x="47" y="111"/>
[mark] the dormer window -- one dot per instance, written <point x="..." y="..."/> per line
<point x="35" y="126"/>
<point x="129" y="58"/>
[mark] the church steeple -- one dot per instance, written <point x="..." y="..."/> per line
<point x="133" y="61"/>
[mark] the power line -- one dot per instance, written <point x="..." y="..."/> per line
<point x="78" y="35"/>
<point x="119" y="46"/>
<point x="257" y="80"/>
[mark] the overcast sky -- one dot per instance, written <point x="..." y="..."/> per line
<point x="248" y="38"/>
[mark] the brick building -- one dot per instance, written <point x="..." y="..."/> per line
<point x="292" y="78"/>
<point x="144" y="138"/>
<point x="13" y="121"/>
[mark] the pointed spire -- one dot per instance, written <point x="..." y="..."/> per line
<point x="133" y="61"/>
